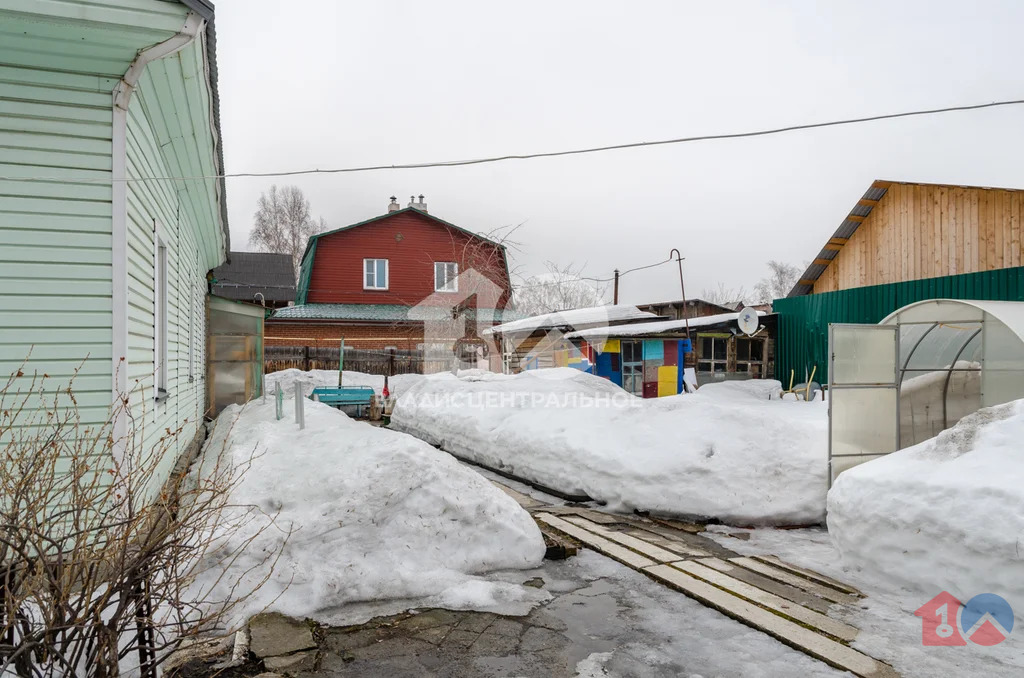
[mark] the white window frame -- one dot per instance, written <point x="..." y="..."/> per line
<point x="387" y="274"/>
<point x="451" y="284"/>
<point x="161" y="306"/>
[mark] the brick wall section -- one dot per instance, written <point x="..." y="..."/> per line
<point x="291" y="333"/>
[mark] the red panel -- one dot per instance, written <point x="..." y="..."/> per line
<point x="671" y="352"/>
<point x="650" y="389"/>
<point x="411" y="243"/>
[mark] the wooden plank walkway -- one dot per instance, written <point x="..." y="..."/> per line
<point x="795" y="605"/>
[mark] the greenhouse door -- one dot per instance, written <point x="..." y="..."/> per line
<point x="863" y="403"/>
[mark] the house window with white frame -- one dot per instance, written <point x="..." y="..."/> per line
<point x="160" y="306"/>
<point x="375" y="274"/>
<point x="446" y="276"/>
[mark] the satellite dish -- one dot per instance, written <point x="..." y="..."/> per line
<point x="748" y="320"/>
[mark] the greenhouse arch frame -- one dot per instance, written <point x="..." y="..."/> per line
<point x="918" y="372"/>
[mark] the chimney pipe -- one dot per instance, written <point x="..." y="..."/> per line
<point x="394" y="206"/>
<point x="418" y="205"/>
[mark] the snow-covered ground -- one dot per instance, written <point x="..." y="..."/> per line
<point x="726" y="452"/>
<point x="380" y="521"/>
<point x="944" y="515"/>
<point x="285" y="379"/>
<point x="888" y="628"/>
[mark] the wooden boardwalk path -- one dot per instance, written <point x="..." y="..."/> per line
<point x="792" y="604"/>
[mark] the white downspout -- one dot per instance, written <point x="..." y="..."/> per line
<point x="122" y="95"/>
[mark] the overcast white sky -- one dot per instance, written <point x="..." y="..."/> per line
<point x="320" y="83"/>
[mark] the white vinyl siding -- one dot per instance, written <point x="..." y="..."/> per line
<point x="375" y="274"/>
<point x="160" y="315"/>
<point x="446" y="276"/>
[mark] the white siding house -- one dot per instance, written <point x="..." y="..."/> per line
<point x="106" y="111"/>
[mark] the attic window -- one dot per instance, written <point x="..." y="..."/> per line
<point x="375" y="274"/>
<point x="446" y="276"/>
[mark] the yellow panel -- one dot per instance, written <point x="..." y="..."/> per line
<point x="666" y="388"/>
<point x="668" y="373"/>
<point x="611" y="346"/>
<point x="561" y="358"/>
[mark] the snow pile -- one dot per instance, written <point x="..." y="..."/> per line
<point x="757" y="389"/>
<point x="285" y="379"/>
<point x="744" y="459"/>
<point x="375" y="515"/>
<point x="945" y="514"/>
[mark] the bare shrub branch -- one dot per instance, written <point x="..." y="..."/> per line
<point x="105" y="549"/>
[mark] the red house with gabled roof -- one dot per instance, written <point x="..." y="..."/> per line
<point x="370" y="282"/>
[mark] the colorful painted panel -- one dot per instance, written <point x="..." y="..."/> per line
<point x="651" y="368"/>
<point x="651" y="389"/>
<point x="611" y="346"/>
<point x="654" y="349"/>
<point x="666" y="389"/>
<point x="671" y="352"/>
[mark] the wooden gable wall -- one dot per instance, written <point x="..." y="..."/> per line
<point x="923" y="231"/>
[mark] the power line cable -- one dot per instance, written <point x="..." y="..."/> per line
<point x="549" y="154"/>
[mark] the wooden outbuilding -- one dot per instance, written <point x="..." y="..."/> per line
<point x="899" y="243"/>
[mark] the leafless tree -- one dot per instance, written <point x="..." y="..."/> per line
<point x="723" y="295"/>
<point x="104" y="560"/>
<point x="777" y="283"/>
<point x="561" y="288"/>
<point x="284" y="222"/>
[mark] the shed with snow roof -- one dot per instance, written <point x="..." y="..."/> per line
<point x="645" y="357"/>
<point x="537" y="341"/>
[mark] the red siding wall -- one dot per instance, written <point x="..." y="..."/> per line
<point x="411" y="243"/>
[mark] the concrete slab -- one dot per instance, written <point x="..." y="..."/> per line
<point x="791" y="633"/>
<point x="833" y="627"/>
<point x="810" y="574"/>
<point x="596" y="542"/>
<point x="275" y="634"/>
<point x="786" y="577"/>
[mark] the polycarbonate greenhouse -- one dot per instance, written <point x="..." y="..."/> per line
<point x="918" y="372"/>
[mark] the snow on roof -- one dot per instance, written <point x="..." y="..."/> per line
<point x="595" y="315"/>
<point x="636" y="329"/>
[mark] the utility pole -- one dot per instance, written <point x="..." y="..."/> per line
<point x="615" y="296"/>
<point x="682" y="288"/>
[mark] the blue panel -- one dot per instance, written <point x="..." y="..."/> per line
<point x="683" y="348"/>
<point x="606" y="364"/>
<point x="654" y="349"/>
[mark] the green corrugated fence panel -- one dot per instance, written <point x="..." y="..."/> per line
<point x="802" y="341"/>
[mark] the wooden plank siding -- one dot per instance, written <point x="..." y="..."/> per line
<point x="919" y="231"/>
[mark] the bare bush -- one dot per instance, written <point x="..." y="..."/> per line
<point x="561" y="288"/>
<point x="102" y="544"/>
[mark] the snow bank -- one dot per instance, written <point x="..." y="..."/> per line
<point x="285" y="379"/>
<point x="376" y="515"/>
<point x="945" y="514"/>
<point x="744" y="459"/>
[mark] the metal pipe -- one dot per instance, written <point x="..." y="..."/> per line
<point x="682" y="290"/>
<point x="949" y="375"/>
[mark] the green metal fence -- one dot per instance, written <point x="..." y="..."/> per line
<point x="802" y="334"/>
